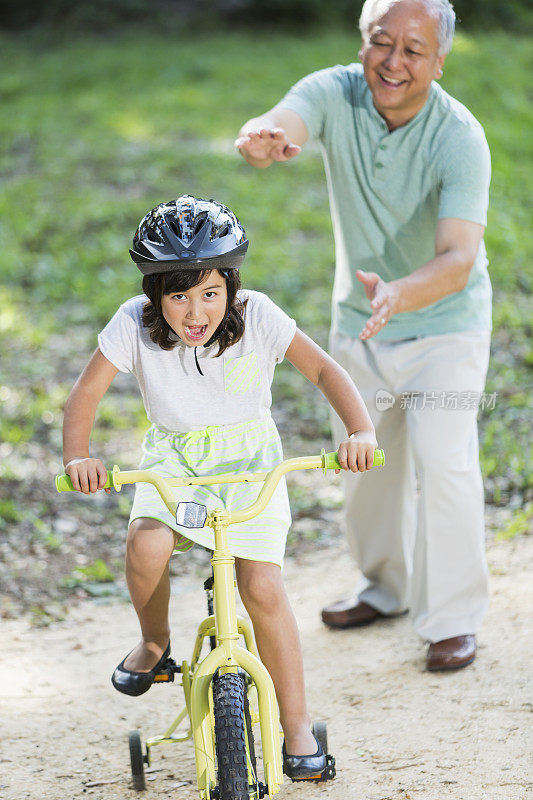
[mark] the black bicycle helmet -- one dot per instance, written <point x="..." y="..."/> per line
<point x="189" y="233"/>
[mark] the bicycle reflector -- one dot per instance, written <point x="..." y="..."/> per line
<point x="191" y="515"/>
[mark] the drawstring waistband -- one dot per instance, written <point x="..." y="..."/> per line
<point x="194" y="436"/>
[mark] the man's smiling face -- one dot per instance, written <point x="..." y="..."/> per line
<point x="400" y="60"/>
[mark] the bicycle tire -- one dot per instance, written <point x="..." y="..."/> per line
<point x="249" y="732"/>
<point x="137" y="761"/>
<point x="233" y="737"/>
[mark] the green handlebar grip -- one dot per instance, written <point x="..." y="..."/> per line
<point x="331" y="460"/>
<point x="379" y="458"/>
<point x="64" y="484"/>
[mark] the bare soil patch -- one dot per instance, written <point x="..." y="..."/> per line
<point x="397" y="732"/>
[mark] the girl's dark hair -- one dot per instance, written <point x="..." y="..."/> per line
<point x="155" y="286"/>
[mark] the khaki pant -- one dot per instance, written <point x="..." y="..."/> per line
<point x="416" y="526"/>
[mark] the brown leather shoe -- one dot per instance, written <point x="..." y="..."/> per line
<point x="349" y="614"/>
<point x="454" y="653"/>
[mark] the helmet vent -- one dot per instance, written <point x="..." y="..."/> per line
<point x="200" y="219"/>
<point x="174" y="227"/>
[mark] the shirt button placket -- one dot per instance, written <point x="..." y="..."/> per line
<point x="379" y="164"/>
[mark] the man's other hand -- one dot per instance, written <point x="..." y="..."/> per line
<point x="383" y="298"/>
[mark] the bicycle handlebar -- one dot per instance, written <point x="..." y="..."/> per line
<point x="116" y="477"/>
<point x="270" y="480"/>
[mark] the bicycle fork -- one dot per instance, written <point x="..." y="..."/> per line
<point x="228" y="656"/>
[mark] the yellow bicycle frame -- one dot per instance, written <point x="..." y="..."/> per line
<point x="228" y="655"/>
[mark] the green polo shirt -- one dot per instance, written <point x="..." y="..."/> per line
<point x="387" y="191"/>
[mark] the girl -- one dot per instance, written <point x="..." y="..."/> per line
<point x="203" y="352"/>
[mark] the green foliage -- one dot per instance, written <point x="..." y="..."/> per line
<point x="520" y="524"/>
<point x="41" y="616"/>
<point x="42" y="531"/>
<point x="98" y="15"/>
<point x="480" y="13"/>
<point x="9" y="512"/>
<point x="97" y="572"/>
<point x="95" y="580"/>
<point x="97" y="131"/>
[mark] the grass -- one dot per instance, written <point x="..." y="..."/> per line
<point x="94" y="132"/>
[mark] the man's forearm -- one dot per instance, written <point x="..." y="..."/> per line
<point x="256" y="123"/>
<point x="443" y="275"/>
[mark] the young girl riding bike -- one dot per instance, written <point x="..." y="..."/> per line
<point x="204" y="351"/>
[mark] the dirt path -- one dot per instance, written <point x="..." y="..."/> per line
<point x="396" y="731"/>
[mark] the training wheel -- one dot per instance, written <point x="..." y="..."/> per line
<point x="321" y="734"/>
<point x="137" y="760"/>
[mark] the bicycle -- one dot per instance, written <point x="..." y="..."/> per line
<point x="229" y="690"/>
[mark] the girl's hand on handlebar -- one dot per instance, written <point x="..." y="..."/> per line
<point x="87" y="474"/>
<point x="357" y="452"/>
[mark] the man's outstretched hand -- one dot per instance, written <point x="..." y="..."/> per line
<point x="383" y="298"/>
<point x="267" y="144"/>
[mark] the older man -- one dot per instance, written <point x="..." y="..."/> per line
<point x="408" y="171"/>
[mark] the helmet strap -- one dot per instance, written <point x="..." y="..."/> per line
<point x="196" y="362"/>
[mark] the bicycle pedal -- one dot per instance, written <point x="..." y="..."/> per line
<point x="167" y="672"/>
<point x="314" y="778"/>
<point x="330" y="771"/>
<point x="327" y="774"/>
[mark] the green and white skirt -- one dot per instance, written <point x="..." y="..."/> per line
<point x="252" y="446"/>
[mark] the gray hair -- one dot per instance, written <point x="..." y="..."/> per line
<point x="442" y="9"/>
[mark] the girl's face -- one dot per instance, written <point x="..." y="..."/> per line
<point x="195" y="314"/>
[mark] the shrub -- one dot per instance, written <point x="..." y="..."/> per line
<point x="106" y="15"/>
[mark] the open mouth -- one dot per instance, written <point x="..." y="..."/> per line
<point x="391" y="83"/>
<point x="195" y="332"/>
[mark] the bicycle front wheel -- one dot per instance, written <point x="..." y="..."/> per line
<point x="237" y="774"/>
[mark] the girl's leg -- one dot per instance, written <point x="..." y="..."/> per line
<point x="149" y="546"/>
<point x="263" y="594"/>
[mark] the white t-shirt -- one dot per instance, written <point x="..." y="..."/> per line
<point x="235" y="387"/>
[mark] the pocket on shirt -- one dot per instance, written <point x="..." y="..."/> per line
<point x="241" y="374"/>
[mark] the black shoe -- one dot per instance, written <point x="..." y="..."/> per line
<point x="136" y="683"/>
<point x="305" y="768"/>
